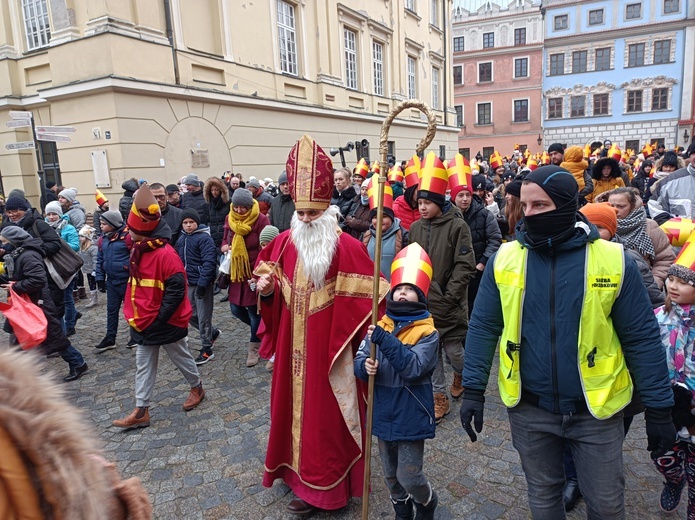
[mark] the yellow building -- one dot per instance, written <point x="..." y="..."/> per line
<point x="157" y="89"/>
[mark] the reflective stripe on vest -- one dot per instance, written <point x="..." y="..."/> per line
<point x="606" y="383"/>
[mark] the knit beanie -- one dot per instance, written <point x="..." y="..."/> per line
<point x="172" y="188"/>
<point x="17" y="193"/>
<point x="682" y="272"/>
<point x="112" y="218"/>
<point x="555" y="147"/>
<point x="514" y="188"/>
<point x="15" y="202"/>
<point x="192" y="214"/>
<point x="254" y="183"/>
<point x="479" y="182"/>
<point x="192" y="179"/>
<point x="69" y="194"/>
<point x="282" y="179"/>
<point x="670" y="159"/>
<point x="15" y="235"/>
<point x="54" y="207"/>
<point x="557" y="182"/>
<point x="601" y="215"/>
<point x="242" y="197"/>
<point x="267" y="234"/>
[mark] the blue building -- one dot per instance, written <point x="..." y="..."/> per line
<point x="614" y="69"/>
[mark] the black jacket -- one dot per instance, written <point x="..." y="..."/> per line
<point x="50" y="240"/>
<point x="172" y="216"/>
<point x="218" y="208"/>
<point x="485" y="232"/>
<point x="281" y="211"/>
<point x="343" y="200"/>
<point x="196" y="200"/>
<point x="130" y="186"/>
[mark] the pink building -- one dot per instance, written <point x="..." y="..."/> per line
<point x="497" y="69"/>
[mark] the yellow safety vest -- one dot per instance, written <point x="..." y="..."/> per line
<point x="605" y="379"/>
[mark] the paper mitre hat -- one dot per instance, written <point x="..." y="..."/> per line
<point x="413" y="266"/>
<point x="678" y="230"/>
<point x="376" y="167"/>
<point x="433" y="181"/>
<point x="460" y="175"/>
<point x="310" y="175"/>
<point x="615" y="153"/>
<point x="100" y="198"/>
<point x="532" y="164"/>
<point x="373" y="193"/>
<point x="362" y="168"/>
<point x="496" y="160"/>
<point x="412" y="172"/>
<point x="587" y="151"/>
<point x="545" y="158"/>
<point x="145" y="213"/>
<point x="684" y="266"/>
<point x="396" y="174"/>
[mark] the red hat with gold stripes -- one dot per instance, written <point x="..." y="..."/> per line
<point x="545" y="158"/>
<point x="684" y="266"/>
<point x="396" y="174"/>
<point x="434" y="181"/>
<point x="376" y="167"/>
<point x="100" y="198"/>
<point x="413" y="171"/>
<point x="412" y="265"/>
<point x="373" y="193"/>
<point x="496" y="160"/>
<point x="615" y="153"/>
<point x="531" y="164"/>
<point x="310" y="175"/>
<point x="145" y="213"/>
<point x="460" y="175"/>
<point x="678" y="230"/>
<point x="362" y="168"/>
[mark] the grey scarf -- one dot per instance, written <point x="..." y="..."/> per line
<point x="632" y="231"/>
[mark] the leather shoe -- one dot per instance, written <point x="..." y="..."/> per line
<point x="138" y="418"/>
<point x="300" y="507"/>
<point x="76" y="373"/>
<point x="571" y="494"/>
<point x="194" y="398"/>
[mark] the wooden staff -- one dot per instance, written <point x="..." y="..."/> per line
<point x="383" y="152"/>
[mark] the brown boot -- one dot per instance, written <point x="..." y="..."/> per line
<point x="456" y="388"/>
<point x="194" y="398"/>
<point x="82" y="293"/>
<point x="441" y="407"/>
<point x="139" y="418"/>
<point x="252" y="358"/>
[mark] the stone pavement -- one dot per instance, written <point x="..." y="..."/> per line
<point x="208" y="463"/>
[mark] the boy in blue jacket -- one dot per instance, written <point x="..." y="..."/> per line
<point x="198" y="253"/>
<point x="403" y="399"/>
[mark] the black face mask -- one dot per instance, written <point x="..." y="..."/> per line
<point x="551" y="227"/>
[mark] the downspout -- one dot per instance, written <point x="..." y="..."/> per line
<point x="445" y="74"/>
<point x="172" y="41"/>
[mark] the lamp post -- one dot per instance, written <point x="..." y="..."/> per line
<point x="686" y="136"/>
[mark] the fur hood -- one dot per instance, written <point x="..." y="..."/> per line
<point x="598" y="167"/>
<point x="660" y="161"/>
<point x="47" y="439"/>
<point x="214" y="181"/>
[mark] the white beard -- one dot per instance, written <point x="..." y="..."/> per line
<point x="316" y="243"/>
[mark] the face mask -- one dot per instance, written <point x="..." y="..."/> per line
<point x="551" y="226"/>
<point x="447" y="197"/>
<point x="364" y="199"/>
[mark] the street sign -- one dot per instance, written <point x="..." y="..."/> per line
<point x="20" y="146"/>
<point x="15" y="114"/>
<point x="18" y="123"/>
<point x="52" y="137"/>
<point x="55" y="129"/>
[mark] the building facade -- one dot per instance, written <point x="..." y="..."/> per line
<point x="613" y="69"/>
<point x="157" y="89"/>
<point x="497" y="65"/>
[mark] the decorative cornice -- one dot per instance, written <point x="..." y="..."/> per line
<point x="658" y="81"/>
<point x="579" y="89"/>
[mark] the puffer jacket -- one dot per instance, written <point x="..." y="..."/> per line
<point x="130" y="186"/>
<point x="264" y="201"/>
<point x="357" y="220"/>
<point x="281" y="211"/>
<point x="218" y="209"/>
<point x="198" y="254"/>
<point x="344" y="201"/>
<point x="485" y="232"/>
<point x="404" y="211"/>
<point x="447" y="241"/>
<point x="602" y="185"/>
<point x="67" y="232"/>
<point x="113" y="257"/>
<point x="196" y="200"/>
<point x="33" y="223"/>
<point x="663" y="253"/>
<point x="77" y="215"/>
<point x="675" y="195"/>
<point x="403" y="398"/>
<point x="393" y="240"/>
<point x="550" y="327"/>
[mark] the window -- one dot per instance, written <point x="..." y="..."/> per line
<point x="579" y="61"/>
<point x="603" y="59"/>
<point x="521" y="68"/>
<point x="458" y="75"/>
<point x="484" y="113"/>
<point x="634" y="101"/>
<point x="459" y="115"/>
<point x="633" y="144"/>
<point x="660" y="99"/>
<point x="412" y="93"/>
<point x="484" y="72"/>
<point x="378" y="65"/>
<point x="633" y="11"/>
<point x="557" y="64"/>
<point x="287" y="37"/>
<point x="350" y="58"/>
<point x="435" y="88"/>
<point x="458" y="44"/>
<point x="520" y="36"/>
<point x="671" y="6"/>
<point x="635" y="55"/>
<point x="36" y="24"/>
<point x="410" y="5"/>
<point x="662" y="51"/>
<point x="555" y="108"/>
<point x="600" y="104"/>
<point x="577" y="106"/>
<point x="520" y="110"/>
<point x="560" y="22"/>
<point x="487" y="152"/>
<point x="488" y="40"/>
<point x="434" y="19"/>
<point x="466" y="152"/>
<point x="596" y="17"/>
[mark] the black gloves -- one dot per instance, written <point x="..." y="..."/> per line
<point x="661" y="433"/>
<point x="101" y="284"/>
<point x="472" y="406"/>
<point x="200" y="292"/>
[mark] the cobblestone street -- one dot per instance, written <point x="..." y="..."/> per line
<point x="208" y="463"/>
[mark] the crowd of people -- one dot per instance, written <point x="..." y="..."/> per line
<point x="567" y="263"/>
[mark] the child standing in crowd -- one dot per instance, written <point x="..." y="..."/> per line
<point x="266" y="236"/>
<point x="676" y="319"/>
<point x="403" y="403"/>
<point x="89" y="253"/>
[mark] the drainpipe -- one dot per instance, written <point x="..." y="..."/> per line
<point x="172" y="41"/>
<point x="445" y="74"/>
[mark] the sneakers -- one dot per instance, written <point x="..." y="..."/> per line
<point x="194" y="398"/>
<point x="441" y="407"/>
<point x="106" y="344"/>
<point x="216" y="335"/>
<point x="139" y="418"/>
<point x="131" y="343"/>
<point x="456" y="388"/>
<point x="76" y="373"/>
<point x="671" y="495"/>
<point x="204" y="357"/>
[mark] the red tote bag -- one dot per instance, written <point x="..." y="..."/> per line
<point x="27" y="319"/>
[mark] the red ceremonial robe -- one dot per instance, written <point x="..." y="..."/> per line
<point x="316" y="412"/>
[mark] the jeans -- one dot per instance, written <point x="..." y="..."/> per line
<point x="70" y="311"/>
<point x="454" y="351"/>
<point x="250" y="316"/>
<point x="596" y="445"/>
<point x="201" y="318"/>
<point x="402" y="463"/>
<point x="115" y="294"/>
<point x="72" y="357"/>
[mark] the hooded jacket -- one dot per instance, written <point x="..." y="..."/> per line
<point x="675" y="195"/>
<point x="77" y="215"/>
<point x="50" y="240"/>
<point x="281" y="211"/>
<point x="344" y="201"/>
<point x="602" y="185"/>
<point x="196" y="200"/>
<point x="264" y="200"/>
<point x="198" y="254"/>
<point x="130" y="186"/>
<point x="404" y="211"/>
<point x="447" y="241"/>
<point x="357" y="220"/>
<point x="218" y="209"/>
<point x="113" y="257"/>
<point x="575" y="164"/>
<point x="67" y="232"/>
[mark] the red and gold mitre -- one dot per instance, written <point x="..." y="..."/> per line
<point x="362" y="168"/>
<point x="587" y="151"/>
<point x="145" y="213"/>
<point x="413" y="172"/>
<point x="545" y="158"/>
<point x="647" y="150"/>
<point x="310" y="175"/>
<point x="526" y="153"/>
<point x="615" y="153"/>
<point x="100" y="198"/>
<point x="496" y="160"/>
<point x="373" y="193"/>
<point x="395" y="174"/>
<point x="516" y="147"/>
<point x="433" y="175"/>
<point x="532" y="164"/>
<point x="678" y="230"/>
<point x="460" y="175"/>
<point x="376" y="168"/>
<point x="412" y="266"/>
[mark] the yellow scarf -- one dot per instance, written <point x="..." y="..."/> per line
<point x="240" y="270"/>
